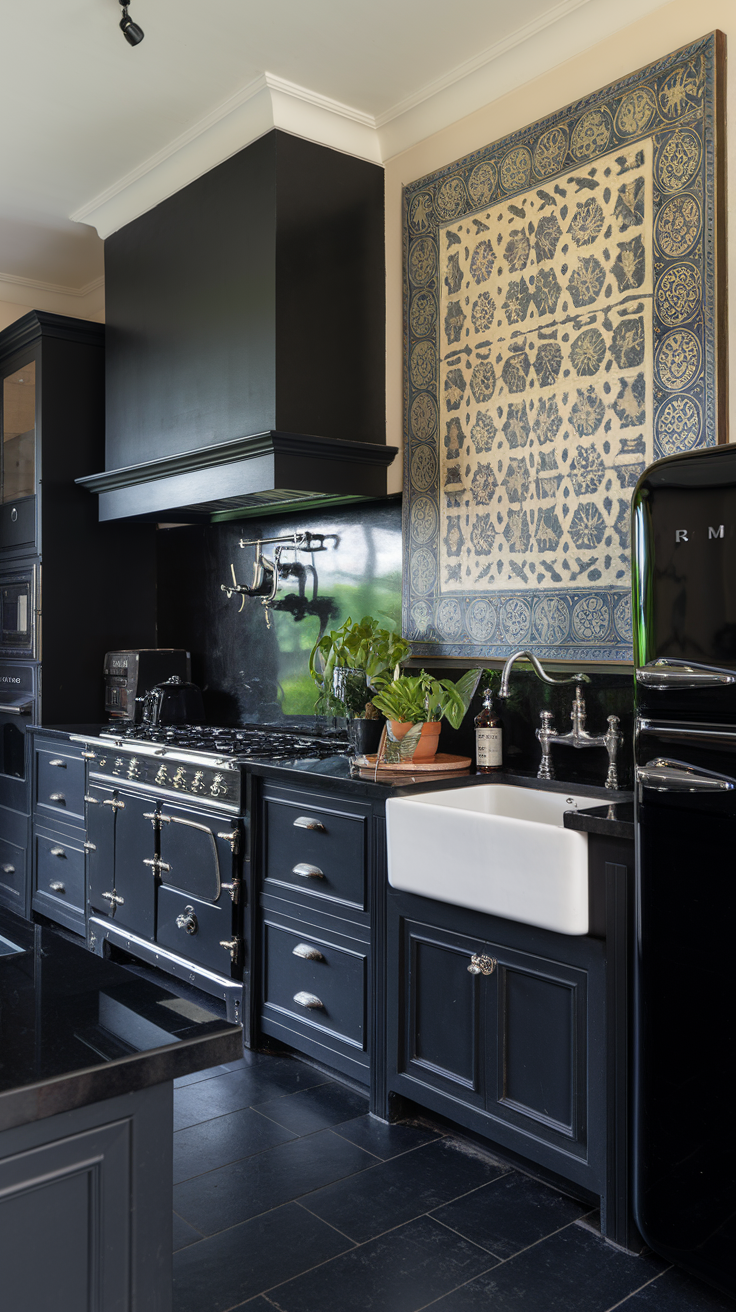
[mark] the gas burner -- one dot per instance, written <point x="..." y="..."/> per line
<point x="254" y="741"/>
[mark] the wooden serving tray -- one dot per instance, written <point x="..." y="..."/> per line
<point x="441" y="762"/>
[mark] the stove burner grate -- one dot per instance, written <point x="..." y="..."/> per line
<point x="271" y="744"/>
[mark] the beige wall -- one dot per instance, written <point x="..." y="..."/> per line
<point x="672" y="26"/>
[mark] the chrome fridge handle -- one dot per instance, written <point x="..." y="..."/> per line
<point x="675" y="674"/>
<point x="668" y="776"/>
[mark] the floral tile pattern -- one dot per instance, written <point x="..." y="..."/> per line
<point x="560" y="336"/>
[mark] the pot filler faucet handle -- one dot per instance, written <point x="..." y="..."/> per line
<point x="503" y="690"/>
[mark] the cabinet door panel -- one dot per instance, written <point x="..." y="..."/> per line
<point x="540" y="1048"/>
<point x="100" y="849"/>
<point x="443" y="1008"/>
<point x="135" y="882"/>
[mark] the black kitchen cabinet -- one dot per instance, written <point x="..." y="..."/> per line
<point x="506" y="1021"/>
<point x="58" y="831"/>
<point x="519" y="1034"/>
<point x="316" y="971"/>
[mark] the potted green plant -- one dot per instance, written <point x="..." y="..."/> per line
<point x="410" y="700"/>
<point x="345" y="662"/>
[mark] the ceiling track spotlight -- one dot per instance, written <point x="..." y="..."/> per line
<point x="131" y="31"/>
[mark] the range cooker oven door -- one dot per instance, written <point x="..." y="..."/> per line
<point x="17" y="711"/>
<point x="200" y="891"/>
<point x="685" y="1193"/>
<point x="121" y="846"/>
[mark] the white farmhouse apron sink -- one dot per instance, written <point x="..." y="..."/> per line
<point x="496" y="848"/>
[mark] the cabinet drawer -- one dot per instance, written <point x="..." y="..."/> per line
<point x="18" y="522"/>
<point x="309" y="978"/>
<point x="59" y="782"/>
<point x="59" y="871"/>
<point x="316" y="851"/>
<point x="12" y="875"/>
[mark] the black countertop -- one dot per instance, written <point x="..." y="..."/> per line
<point x="75" y="1029"/>
<point x="616" y="820"/>
<point x="336" y="771"/>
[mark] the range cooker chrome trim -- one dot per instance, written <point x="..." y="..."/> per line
<point x="205" y="802"/>
<point x="231" y="991"/>
<point x="139" y="747"/>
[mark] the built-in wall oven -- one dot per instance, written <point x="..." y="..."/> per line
<point x="18" y="599"/>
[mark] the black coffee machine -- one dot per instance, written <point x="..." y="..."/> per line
<point x="129" y="675"/>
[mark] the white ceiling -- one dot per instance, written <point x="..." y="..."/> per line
<point x="85" y="116"/>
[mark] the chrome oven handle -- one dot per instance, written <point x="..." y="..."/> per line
<point x="668" y="776"/>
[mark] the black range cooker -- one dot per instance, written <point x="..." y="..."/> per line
<point x="168" y="843"/>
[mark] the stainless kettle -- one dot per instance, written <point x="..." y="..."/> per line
<point x="173" y="702"/>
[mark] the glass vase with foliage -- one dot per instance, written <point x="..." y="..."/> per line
<point x="345" y="662"/>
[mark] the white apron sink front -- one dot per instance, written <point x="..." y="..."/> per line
<point x="495" y="848"/>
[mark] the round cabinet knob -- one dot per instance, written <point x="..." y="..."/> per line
<point x="481" y="965"/>
<point x="187" y="920"/>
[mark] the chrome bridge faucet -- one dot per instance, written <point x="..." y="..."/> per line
<point x="578" y="735"/>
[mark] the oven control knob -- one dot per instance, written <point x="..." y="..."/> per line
<point x="187" y="920"/>
<point x="179" y="780"/>
<point x="162" y="774"/>
<point x="133" y="768"/>
<point x="197" y="784"/>
<point x="119" y="765"/>
<point x="218" y="787"/>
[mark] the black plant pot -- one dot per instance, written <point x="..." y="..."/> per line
<point x="364" y="736"/>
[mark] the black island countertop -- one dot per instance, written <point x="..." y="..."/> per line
<point x="76" y="1029"/>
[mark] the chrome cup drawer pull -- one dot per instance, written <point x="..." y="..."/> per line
<point x="57" y="851"/>
<point x="307" y="822"/>
<point x="56" y="886"/>
<point x="308" y="1000"/>
<point x="58" y="797"/>
<point x="307" y="952"/>
<point x="307" y="872"/>
<point x="61" y="764"/>
<point x="482" y="965"/>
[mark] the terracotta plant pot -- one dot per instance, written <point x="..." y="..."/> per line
<point x="426" y="748"/>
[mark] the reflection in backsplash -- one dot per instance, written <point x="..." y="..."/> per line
<point x="251" y="660"/>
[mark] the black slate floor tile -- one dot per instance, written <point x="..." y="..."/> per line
<point x="510" y="1214"/>
<point x="196" y="1077"/>
<point x="225" y="1139"/>
<point x="399" y="1190"/>
<point x="237" y="1264"/>
<point x="240" y="1088"/>
<point x="384" y="1140"/>
<point x="314" y="1109"/>
<point x="572" y="1271"/>
<point x="675" y="1291"/>
<point x="184" y="1233"/>
<point x="244" y="1189"/>
<point x="399" y="1272"/>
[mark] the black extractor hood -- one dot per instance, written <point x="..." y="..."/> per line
<point x="245" y="341"/>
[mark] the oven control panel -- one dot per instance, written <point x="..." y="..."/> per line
<point x="219" y="783"/>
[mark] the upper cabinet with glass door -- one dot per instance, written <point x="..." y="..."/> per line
<point x="18" y="457"/>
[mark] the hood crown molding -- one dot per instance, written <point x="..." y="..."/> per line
<point x="567" y="29"/>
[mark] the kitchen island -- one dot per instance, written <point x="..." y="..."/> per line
<point x="88" y="1054"/>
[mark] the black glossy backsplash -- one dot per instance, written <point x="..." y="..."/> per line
<point x="252" y="663"/>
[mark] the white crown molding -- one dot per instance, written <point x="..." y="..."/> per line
<point x="267" y="102"/>
<point x="33" y="284"/>
<point x="563" y="33"/>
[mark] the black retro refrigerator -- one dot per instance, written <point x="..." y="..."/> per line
<point x="684" y="580"/>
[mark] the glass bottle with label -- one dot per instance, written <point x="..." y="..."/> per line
<point x="488" y="737"/>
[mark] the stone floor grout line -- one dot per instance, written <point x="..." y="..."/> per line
<point x="623" y="1301"/>
<point x="296" y="1136"/>
<point x="460" y="1235"/>
<point x="354" y="1242"/>
<point x="454" y="1291"/>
